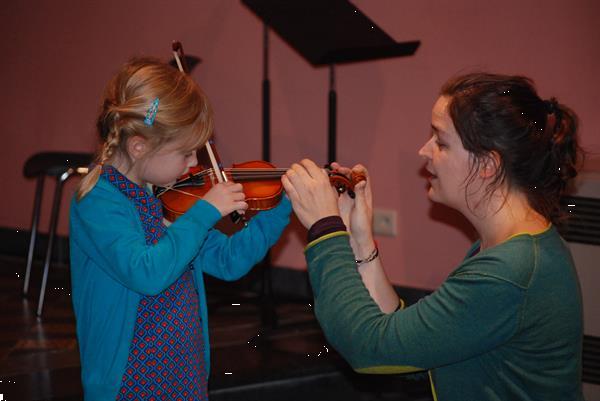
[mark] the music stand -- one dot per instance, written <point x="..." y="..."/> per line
<point x="324" y="32"/>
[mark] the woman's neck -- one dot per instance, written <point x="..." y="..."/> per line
<point x="505" y="218"/>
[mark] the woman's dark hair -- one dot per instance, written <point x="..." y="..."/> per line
<point x="535" y="139"/>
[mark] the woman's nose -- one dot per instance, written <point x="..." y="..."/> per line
<point x="424" y="152"/>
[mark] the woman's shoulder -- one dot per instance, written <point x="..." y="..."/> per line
<point x="514" y="260"/>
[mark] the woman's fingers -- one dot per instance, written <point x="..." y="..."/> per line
<point x="316" y="172"/>
<point x="307" y="186"/>
<point x="289" y="188"/>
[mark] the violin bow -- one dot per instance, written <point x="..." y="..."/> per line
<point x="181" y="61"/>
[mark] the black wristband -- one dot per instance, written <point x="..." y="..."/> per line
<point x="326" y="225"/>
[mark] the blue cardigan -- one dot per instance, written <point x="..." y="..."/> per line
<point x="112" y="267"/>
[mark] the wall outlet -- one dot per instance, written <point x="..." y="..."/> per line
<point x="384" y="222"/>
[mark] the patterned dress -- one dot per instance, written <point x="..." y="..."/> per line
<point x="166" y="353"/>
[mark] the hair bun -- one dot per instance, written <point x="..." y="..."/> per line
<point x="551" y="106"/>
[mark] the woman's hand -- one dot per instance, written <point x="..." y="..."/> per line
<point x="227" y="197"/>
<point x="310" y="191"/>
<point x="357" y="213"/>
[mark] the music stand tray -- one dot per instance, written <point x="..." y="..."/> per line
<point x="329" y="31"/>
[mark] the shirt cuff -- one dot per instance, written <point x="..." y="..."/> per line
<point x="326" y="225"/>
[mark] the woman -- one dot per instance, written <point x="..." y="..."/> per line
<point x="507" y="323"/>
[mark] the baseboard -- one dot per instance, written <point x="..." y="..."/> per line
<point x="294" y="284"/>
<point x="15" y="243"/>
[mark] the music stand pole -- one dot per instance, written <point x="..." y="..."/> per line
<point x="266" y="99"/>
<point x="268" y="314"/>
<point x="331" y="147"/>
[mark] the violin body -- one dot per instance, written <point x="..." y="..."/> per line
<point x="261" y="183"/>
<point x="262" y="193"/>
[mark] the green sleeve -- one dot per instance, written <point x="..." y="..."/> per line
<point x="468" y="315"/>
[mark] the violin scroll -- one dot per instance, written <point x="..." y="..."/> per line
<point x="342" y="184"/>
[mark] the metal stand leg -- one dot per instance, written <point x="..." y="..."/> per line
<point x="267" y="296"/>
<point x="51" y="234"/>
<point x="37" y="203"/>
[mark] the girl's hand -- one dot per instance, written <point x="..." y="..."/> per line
<point x="357" y="213"/>
<point x="227" y="197"/>
<point x="310" y="191"/>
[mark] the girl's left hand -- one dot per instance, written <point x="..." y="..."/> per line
<point x="310" y="191"/>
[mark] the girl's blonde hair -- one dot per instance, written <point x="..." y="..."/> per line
<point x="184" y="112"/>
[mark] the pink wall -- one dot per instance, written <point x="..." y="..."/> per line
<point x="57" y="57"/>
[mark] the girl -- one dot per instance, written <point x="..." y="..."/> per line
<point x="507" y="323"/>
<point x="138" y="291"/>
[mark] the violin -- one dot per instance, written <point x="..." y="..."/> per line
<point x="261" y="183"/>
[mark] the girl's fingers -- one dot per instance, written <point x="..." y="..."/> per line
<point x="237" y="187"/>
<point x="239" y="196"/>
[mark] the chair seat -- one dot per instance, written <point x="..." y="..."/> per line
<point x="55" y="163"/>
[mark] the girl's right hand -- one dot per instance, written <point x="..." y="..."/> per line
<point x="227" y="197"/>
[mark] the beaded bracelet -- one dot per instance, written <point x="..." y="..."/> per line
<point x="372" y="256"/>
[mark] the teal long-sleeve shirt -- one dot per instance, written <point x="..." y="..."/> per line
<point x="505" y="325"/>
<point x="112" y="267"/>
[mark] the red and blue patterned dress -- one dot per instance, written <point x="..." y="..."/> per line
<point x="166" y="355"/>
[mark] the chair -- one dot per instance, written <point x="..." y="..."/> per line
<point x="62" y="166"/>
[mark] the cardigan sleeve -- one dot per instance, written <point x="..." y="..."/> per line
<point x="469" y="314"/>
<point x="230" y="257"/>
<point x="107" y="229"/>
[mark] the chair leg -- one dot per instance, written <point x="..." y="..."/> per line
<point x="37" y="204"/>
<point x="51" y="234"/>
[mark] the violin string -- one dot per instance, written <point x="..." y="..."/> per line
<point x="246" y="173"/>
<point x="185" y="193"/>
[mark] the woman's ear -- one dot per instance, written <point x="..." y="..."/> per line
<point x="137" y="146"/>
<point x="491" y="165"/>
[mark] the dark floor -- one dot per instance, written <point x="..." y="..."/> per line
<point x="253" y="358"/>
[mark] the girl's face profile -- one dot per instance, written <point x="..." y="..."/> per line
<point x="168" y="163"/>
<point x="447" y="161"/>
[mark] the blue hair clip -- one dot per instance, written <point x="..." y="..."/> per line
<point x="151" y="113"/>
